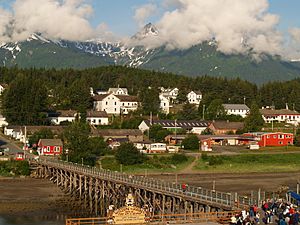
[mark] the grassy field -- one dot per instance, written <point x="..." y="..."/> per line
<point x="250" y="163"/>
<point x="154" y="164"/>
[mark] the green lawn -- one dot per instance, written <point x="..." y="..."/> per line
<point x="250" y="163"/>
<point x="154" y="164"/>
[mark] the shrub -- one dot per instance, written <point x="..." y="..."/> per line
<point x="179" y="158"/>
<point x="215" y="160"/>
<point x="128" y="154"/>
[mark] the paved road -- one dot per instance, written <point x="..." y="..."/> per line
<point x="10" y="144"/>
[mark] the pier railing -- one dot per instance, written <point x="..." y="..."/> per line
<point x="213" y="197"/>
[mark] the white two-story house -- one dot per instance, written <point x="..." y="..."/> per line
<point x="194" y="97"/>
<point x="115" y="104"/>
<point x="236" y="109"/>
<point x="164" y="104"/>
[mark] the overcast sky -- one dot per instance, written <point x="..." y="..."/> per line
<point x="267" y="26"/>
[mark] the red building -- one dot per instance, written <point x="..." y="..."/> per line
<point x="272" y="139"/>
<point x="50" y="147"/>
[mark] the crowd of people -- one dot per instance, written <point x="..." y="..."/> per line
<point x="272" y="211"/>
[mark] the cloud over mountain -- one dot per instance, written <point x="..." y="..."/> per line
<point x="237" y="25"/>
<point x="57" y="19"/>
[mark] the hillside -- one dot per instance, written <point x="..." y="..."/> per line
<point x="199" y="60"/>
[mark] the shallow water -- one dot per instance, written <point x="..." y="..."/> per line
<point x="39" y="220"/>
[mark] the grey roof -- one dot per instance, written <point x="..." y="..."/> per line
<point x="235" y="107"/>
<point x="225" y="125"/>
<point x="274" y="112"/>
<point x="67" y="113"/>
<point x="116" y="132"/>
<point x="92" y="113"/>
<point x="179" y="123"/>
<point x="112" y="90"/>
<point x="50" y="142"/>
<point x="127" y="98"/>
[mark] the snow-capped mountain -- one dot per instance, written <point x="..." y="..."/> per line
<point x="202" y="59"/>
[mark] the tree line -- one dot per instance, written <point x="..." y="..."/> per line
<point x="32" y="92"/>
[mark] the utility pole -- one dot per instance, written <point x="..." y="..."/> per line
<point x="203" y="110"/>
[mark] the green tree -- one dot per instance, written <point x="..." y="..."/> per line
<point x="76" y="138"/>
<point x="297" y="138"/>
<point x="182" y="96"/>
<point x="25" y="101"/>
<point x="149" y="98"/>
<point x="158" y="133"/>
<point x="128" y="154"/>
<point x="191" y="142"/>
<point x="188" y="112"/>
<point x="44" y="133"/>
<point x="254" y="121"/>
<point x="215" y="110"/>
<point x="79" y="94"/>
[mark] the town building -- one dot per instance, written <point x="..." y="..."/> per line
<point x="97" y="117"/>
<point x="225" y="127"/>
<point x="194" y="97"/>
<point x="50" y="147"/>
<point x="3" y="87"/>
<point x="60" y="116"/>
<point x="164" y="104"/>
<point x="190" y="126"/>
<point x="3" y="121"/>
<point x="115" y="104"/>
<point x="236" y="109"/>
<point x="169" y="93"/>
<point x="269" y="139"/>
<point x="133" y="135"/>
<point x="280" y="115"/>
<point x="118" y="91"/>
<point x="207" y="142"/>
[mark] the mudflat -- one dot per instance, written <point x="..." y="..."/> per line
<point x="30" y="197"/>
<point x="243" y="183"/>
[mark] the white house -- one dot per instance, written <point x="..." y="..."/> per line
<point x="3" y="121"/>
<point x="170" y="93"/>
<point x="97" y="117"/>
<point x="191" y="126"/>
<point x="2" y="88"/>
<point x="194" y="97"/>
<point x="236" y="109"/>
<point x="157" y="148"/>
<point x="13" y="131"/>
<point x="164" y="104"/>
<point x="115" y="104"/>
<point x="62" y="116"/>
<point x="118" y="91"/>
<point x="280" y="115"/>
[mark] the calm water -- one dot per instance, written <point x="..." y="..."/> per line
<point x="39" y="220"/>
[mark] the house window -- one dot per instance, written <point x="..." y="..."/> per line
<point x="57" y="149"/>
<point x="106" y="103"/>
<point x="280" y="142"/>
<point x="115" y="109"/>
<point x="274" y="136"/>
<point x="268" y="136"/>
<point x="281" y="136"/>
<point x="99" y="121"/>
<point x="115" y="103"/>
<point x="48" y="149"/>
<point x="94" y="120"/>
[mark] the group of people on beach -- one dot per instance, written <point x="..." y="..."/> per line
<point x="272" y="211"/>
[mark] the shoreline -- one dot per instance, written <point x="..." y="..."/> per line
<point x="29" y="197"/>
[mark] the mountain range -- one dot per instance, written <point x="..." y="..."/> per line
<point x="202" y="59"/>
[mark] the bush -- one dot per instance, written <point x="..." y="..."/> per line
<point x="128" y="154"/>
<point x="17" y="168"/>
<point x="215" y="160"/>
<point x="204" y="156"/>
<point x="191" y="142"/>
<point x="179" y="158"/>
